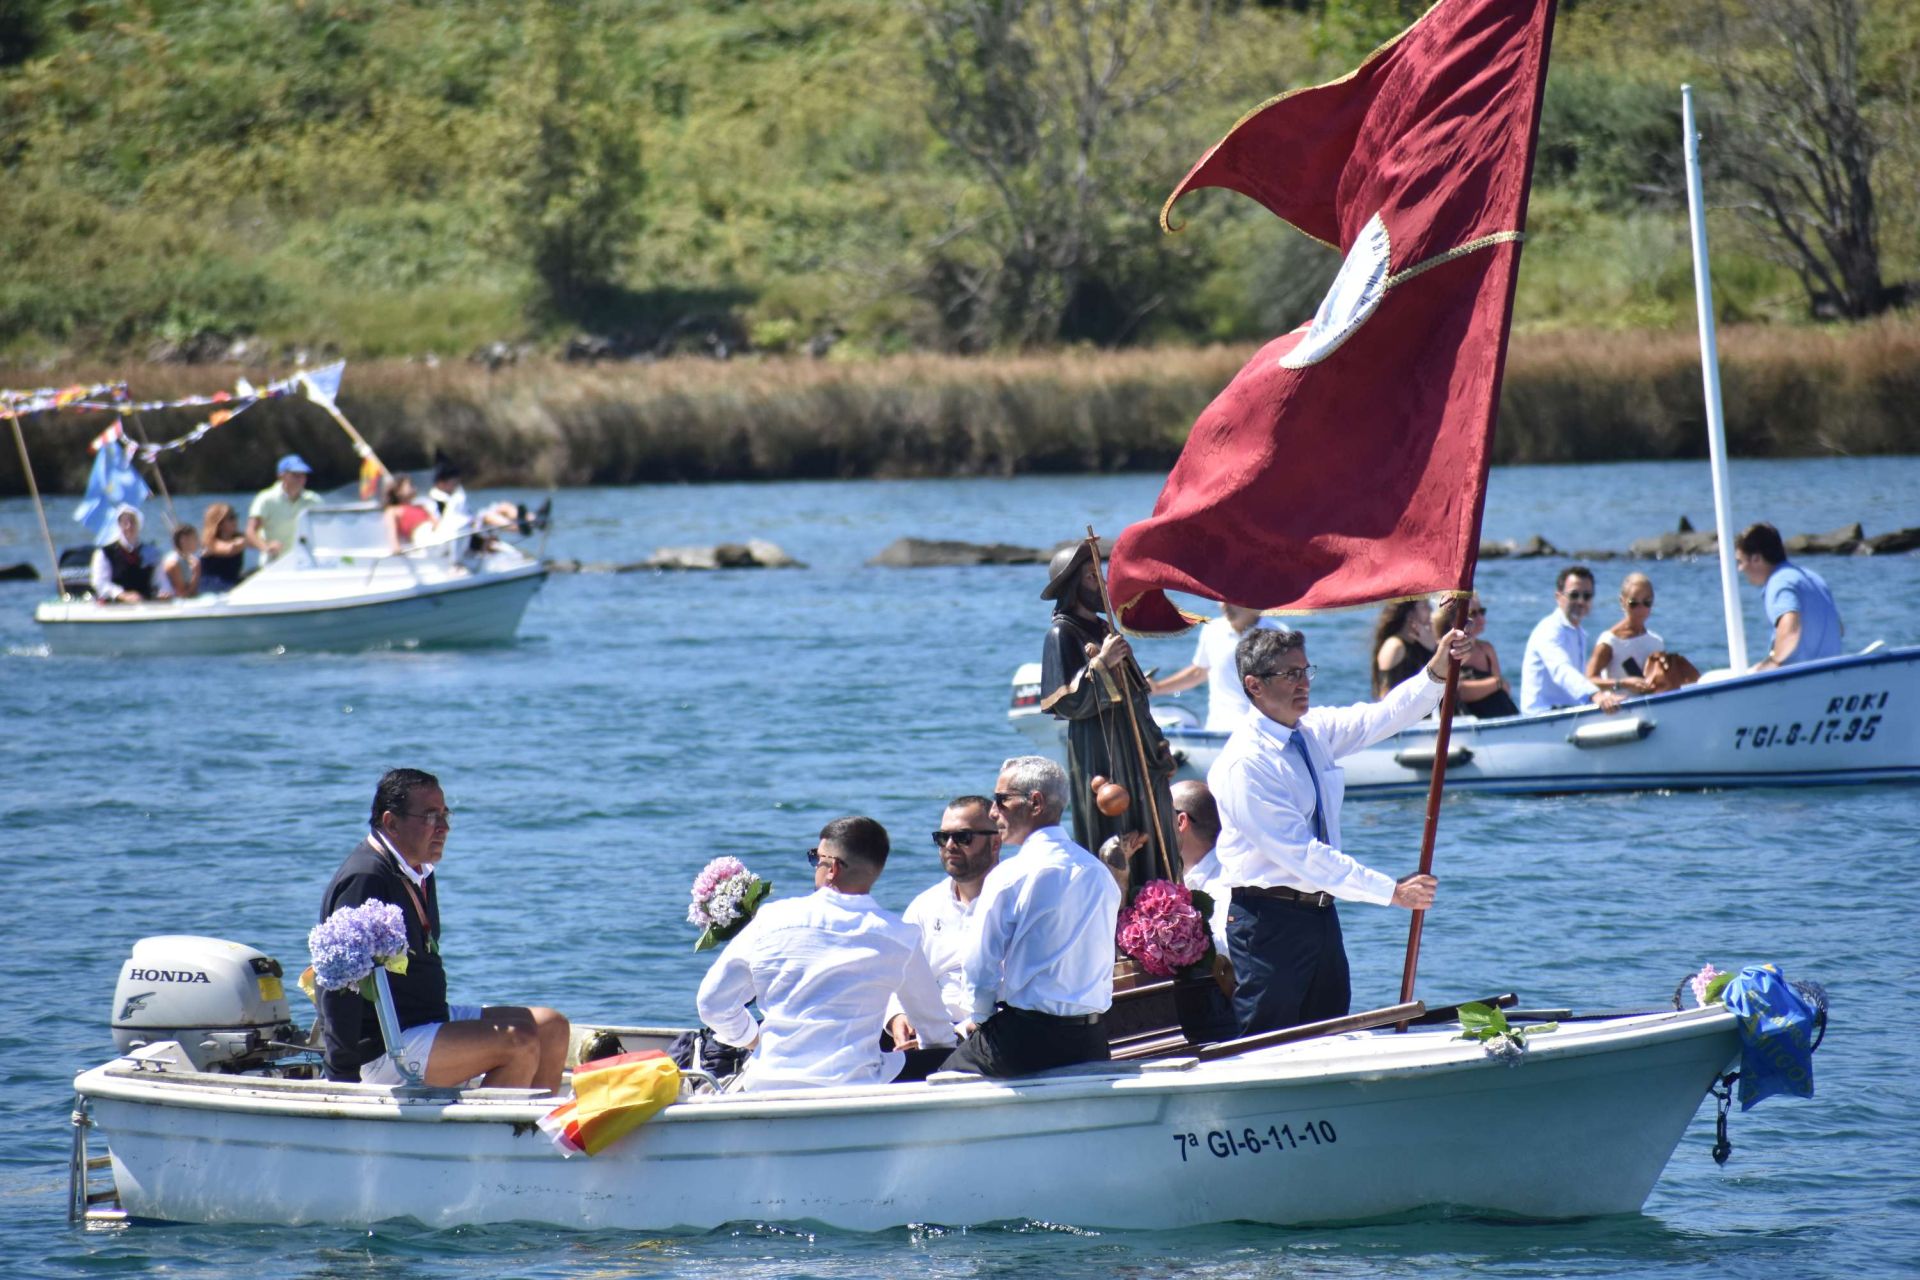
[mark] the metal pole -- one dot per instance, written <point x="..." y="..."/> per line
<point x="1710" y="377"/>
<point x="26" y="468"/>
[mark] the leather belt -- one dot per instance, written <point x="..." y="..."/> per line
<point x="1284" y="894"/>
<point x="1075" y="1019"/>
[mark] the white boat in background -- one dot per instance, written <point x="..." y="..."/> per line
<point x="1850" y="719"/>
<point x="1337" y="1129"/>
<point x="341" y="587"/>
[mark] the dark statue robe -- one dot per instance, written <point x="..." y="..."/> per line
<point x="1100" y="742"/>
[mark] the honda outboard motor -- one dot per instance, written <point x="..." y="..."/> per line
<point x="223" y="1002"/>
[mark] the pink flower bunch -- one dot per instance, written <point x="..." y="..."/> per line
<point x="717" y="892"/>
<point x="1163" y="930"/>
<point x="1701" y="981"/>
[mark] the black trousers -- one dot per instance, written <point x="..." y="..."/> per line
<point x="1290" y="962"/>
<point x="1018" y="1042"/>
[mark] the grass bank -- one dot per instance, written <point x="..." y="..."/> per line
<point x="1569" y="397"/>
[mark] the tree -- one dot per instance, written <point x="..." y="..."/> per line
<point x="1799" y="146"/>
<point x="574" y="197"/>
<point x="1031" y="95"/>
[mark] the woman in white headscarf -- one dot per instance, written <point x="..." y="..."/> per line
<point x="123" y="566"/>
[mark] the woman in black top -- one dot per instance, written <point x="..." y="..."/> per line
<point x="1483" y="690"/>
<point x="1402" y="643"/>
<point x="223" y="552"/>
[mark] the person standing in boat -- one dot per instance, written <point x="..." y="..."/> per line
<point x="1278" y="786"/>
<point x="506" y="1046"/>
<point x="274" y="517"/>
<point x="1552" y="673"/>
<point x="123" y="566"/>
<point x="223" y="549"/>
<point x="1620" y="655"/>
<point x="1227" y="703"/>
<point x="1805" y="620"/>
<point x="1088" y="677"/>
<point x="968" y="841"/>
<point x="822" y="969"/>
<point x="1040" y="961"/>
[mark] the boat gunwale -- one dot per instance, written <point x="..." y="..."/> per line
<point x="1284" y="1066"/>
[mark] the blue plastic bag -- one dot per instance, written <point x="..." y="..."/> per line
<point x="1778" y="1029"/>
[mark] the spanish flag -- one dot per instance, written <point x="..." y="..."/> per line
<point x="611" y="1098"/>
<point x="371" y="474"/>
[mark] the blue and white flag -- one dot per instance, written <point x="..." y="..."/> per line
<point x="112" y="481"/>
<point x="1778" y="1028"/>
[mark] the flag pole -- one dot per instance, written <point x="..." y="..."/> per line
<point x="153" y="465"/>
<point x="1133" y="721"/>
<point x="1436" y="788"/>
<point x="26" y="469"/>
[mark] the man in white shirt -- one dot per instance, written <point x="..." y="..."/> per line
<point x="821" y="968"/>
<point x="1279" y="791"/>
<point x="1227" y="703"/>
<point x="1196" y="823"/>
<point x="969" y="845"/>
<point x="1040" y="964"/>
<point x="1553" y="673"/>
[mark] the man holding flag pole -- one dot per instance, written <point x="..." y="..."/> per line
<point x="1346" y="464"/>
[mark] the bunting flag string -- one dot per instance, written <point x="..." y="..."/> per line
<point x="22" y="403"/>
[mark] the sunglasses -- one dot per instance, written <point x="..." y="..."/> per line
<point x="963" y="837"/>
<point x="815" y="857"/>
<point x="1478" y="611"/>
<point x="1638" y="604"/>
<point x="1004" y="798"/>
<point x="1579" y="595"/>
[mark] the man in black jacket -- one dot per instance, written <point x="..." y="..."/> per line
<point x="509" y="1046"/>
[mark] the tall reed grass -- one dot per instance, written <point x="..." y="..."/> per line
<point x="1569" y="397"/>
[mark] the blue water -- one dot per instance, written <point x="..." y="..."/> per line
<point x="644" y="724"/>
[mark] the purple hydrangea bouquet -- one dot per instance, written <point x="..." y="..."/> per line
<point x="725" y="896"/>
<point x="1165" y="928"/>
<point x="350" y="942"/>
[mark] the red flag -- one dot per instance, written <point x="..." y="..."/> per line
<point x="1347" y="462"/>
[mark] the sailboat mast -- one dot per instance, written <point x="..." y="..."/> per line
<point x="1710" y="376"/>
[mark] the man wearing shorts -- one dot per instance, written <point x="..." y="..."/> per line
<point x="505" y="1046"/>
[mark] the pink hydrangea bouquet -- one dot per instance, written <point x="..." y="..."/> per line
<point x="725" y="896"/>
<point x="1165" y="928"/>
<point x="1708" y="984"/>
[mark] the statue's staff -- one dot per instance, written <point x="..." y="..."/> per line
<point x="1124" y="678"/>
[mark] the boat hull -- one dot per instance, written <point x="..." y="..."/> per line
<point x="477" y="610"/>
<point x="1852" y="719"/>
<point x="1352" y="1128"/>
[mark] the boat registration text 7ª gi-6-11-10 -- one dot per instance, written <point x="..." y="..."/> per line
<point x="1223" y="1143"/>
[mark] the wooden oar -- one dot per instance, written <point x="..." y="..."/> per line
<point x="1401" y="1013"/>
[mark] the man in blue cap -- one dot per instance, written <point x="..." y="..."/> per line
<point x="277" y="508"/>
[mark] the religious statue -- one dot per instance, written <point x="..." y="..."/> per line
<point x="1090" y="680"/>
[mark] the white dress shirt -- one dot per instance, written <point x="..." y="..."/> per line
<point x="1266" y="799"/>
<point x="1043" y="935"/>
<point x="821" y="968"/>
<point x="1227" y="703"/>
<point x="1553" y="673"/>
<point x="946" y="925"/>
<point x="1205" y="877"/>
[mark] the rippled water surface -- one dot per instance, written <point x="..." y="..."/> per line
<point x="644" y="724"/>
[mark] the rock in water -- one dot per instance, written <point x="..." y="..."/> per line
<point x="1839" y="542"/>
<point x="19" y="573"/>
<point x="757" y="554"/>
<point x="925" y="553"/>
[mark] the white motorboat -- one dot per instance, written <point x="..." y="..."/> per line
<point x="340" y="587"/>
<point x="1850" y="719"/>
<point x="1339" y="1128"/>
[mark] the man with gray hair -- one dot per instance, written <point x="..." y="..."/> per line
<point x="1279" y="792"/>
<point x="1040" y="961"/>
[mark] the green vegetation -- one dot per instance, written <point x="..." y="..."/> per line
<point x="418" y="176"/>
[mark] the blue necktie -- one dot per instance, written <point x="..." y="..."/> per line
<point x="1296" y="742"/>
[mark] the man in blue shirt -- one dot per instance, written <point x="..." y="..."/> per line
<point x="1553" y="670"/>
<point x="1800" y="609"/>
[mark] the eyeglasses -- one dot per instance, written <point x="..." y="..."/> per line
<point x="1478" y="611"/>
<point x="963" y="838"/>
<point x="432" y="817"/>
<point x="815" y="857"/>
<point x="1296" y="675"/>
<point x="1638" y="604"/>
<point x="1003" y="798"/>
<point x="1579" y="595"/>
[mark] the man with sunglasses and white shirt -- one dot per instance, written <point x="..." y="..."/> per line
<point x="969" y="845"/>
<point x="1278" y="788"/>
<point x="822" y="969"/>
<point x="505" y="1046"/>
<point x="1553" y="673"/>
